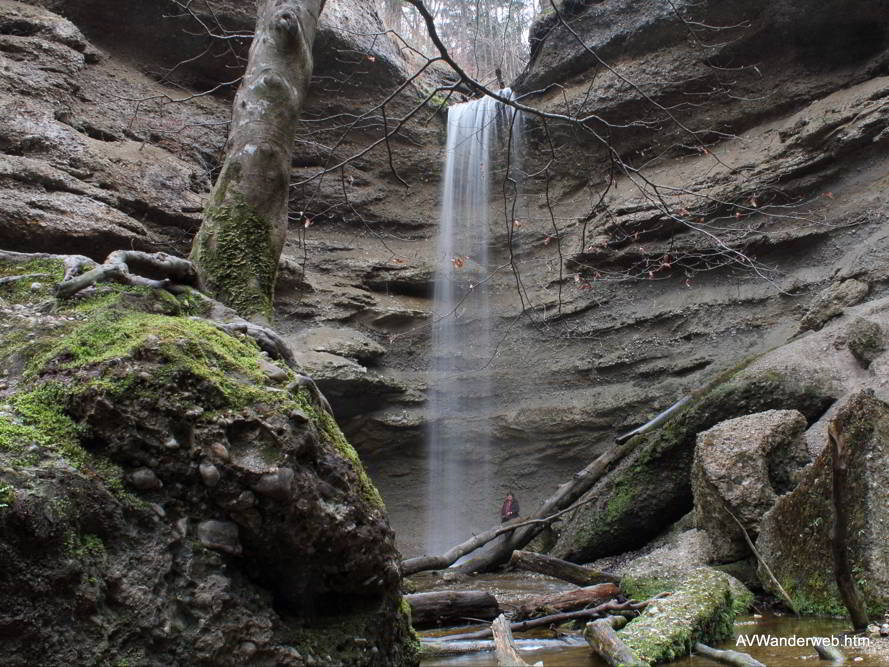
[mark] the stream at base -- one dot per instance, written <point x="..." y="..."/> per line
<point x="575" y="653"/>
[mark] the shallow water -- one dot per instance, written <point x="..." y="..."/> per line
<point x="511" y="587"/>
<point x="766" y="626"/>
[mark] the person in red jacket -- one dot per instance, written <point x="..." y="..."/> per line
<point x="510" y="508"/>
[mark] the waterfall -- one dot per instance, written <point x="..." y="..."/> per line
<point x="461" y="492"/>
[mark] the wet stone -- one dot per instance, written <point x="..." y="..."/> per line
<point x="220" y="536"/>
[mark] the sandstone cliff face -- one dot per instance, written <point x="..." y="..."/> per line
<point x="788" y="104"/>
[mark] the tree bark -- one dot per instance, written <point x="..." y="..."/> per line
<point x="560" y="569"/>
<point x="582" y="597"/>
<point x="504" y="646"/>
<point x="852" y="597"/>
<point x="605" y="642"/>
<point x="237" y="248"/>
<point x="432" y="608"/>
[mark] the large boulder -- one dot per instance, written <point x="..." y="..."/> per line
<point x="651" y="487"/>
<point x="740" y="468"/>
<point x="795" y="535"/>
<point x="170" y="496"/>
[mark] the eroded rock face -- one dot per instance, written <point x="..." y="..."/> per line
<point x="795" y="535"/>
<point x="158" y="484"/>
<point x="741" y="466"/>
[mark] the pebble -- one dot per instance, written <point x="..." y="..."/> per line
<point x="144" y="479"/>
<point x="275" y="484"/>
<point x="210" y="474"/>
<point x="220" y="451"/>
<point x="220" y="536"/>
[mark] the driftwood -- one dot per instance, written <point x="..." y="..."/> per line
<point x="654" y="423"/>
<point x="560" y="569"/>
<point x="734" y="658"/>
<point x="605" y="642"/>
<point x="849" y="591"/>
<point x="433" y="608"/>
<point x="542" y="605"/>
<point x="430" y="648"/>
<point x="830" y="653"/>
<point x="611" y="607"/>
<point x="445" y="560"/>
<point x="504" y="645"/>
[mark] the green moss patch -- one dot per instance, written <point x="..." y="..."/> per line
<point x="237" y="262"/>
<point x="20" y="291"/>
<point x="701" y="609"/>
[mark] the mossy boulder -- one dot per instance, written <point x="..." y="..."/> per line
<point x="651" y="487"/>
<point x="866" y="341"/>
<point x="702" y="608"/>
<point x="795" y="537"/>
<point x="172" y="496"/>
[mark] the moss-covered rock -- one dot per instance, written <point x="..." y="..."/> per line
<point x="702" y="608"/>
<point x="795" y="537"/>
<point x="866" y="341"/>
<point x="168" y="499"/>
<point x="651" y="487"/>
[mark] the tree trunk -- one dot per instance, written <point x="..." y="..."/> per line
<point x="564" y="497"/>
<point x="558" y="602"/>
<point x="432" y="608"/>
<point x="560" y="569"/>
<point x="237" y="248"/>
<point x="606" y="644"/>
<point x="504" y="646"/>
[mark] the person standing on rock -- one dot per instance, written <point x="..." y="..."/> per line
<point x="510" y="508"/>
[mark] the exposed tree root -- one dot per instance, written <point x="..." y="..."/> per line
<point x="118" y="267"/>
<point x="158" y="271"/>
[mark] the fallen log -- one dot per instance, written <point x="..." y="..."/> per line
<point x="559" y="503"/>
<point x="434" y="648"/>
<point x="610" y="607"/>
<point x="605" y="642"/>
<point x="436" y="607"/>
<point x="733" y="658"/>
<point x="560" y="569"/>
<point x="544" y="605"/>
<point x="504" y="645"/>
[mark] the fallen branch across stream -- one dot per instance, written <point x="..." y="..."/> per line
<point x="611" y="607"/>
<point x="733" y="658"/>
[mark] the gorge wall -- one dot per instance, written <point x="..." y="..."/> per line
<point x="770" y="133"/>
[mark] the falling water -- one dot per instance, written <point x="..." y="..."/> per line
<point x="460" y="490"/>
